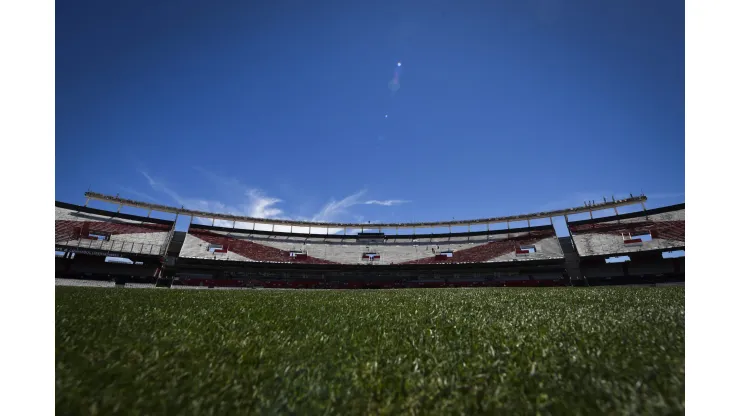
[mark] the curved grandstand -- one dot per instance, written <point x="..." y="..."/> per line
<point x="361" y="255"/>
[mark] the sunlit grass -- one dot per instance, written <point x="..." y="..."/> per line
<point x="423" y="351"/>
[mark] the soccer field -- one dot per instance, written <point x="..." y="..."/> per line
<point x="417" y="351"/>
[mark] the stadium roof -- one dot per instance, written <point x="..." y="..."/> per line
<point x="427" y="224"/>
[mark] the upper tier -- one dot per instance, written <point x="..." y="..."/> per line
<point x="659" y="229"/>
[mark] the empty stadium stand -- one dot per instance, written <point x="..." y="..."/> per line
<point x="521" y="245"/>
<point x="96" y="231"/>
<point x="660" y="229"/>
<point x="231" y="258"/>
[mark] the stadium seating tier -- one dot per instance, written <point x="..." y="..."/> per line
<point x="660" y="229"/>
<point x="239" y="245"/>
<point x="80" y="227"/>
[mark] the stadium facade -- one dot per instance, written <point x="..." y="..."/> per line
<point x="258" y="252"/>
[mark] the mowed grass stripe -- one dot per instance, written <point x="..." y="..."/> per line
<point x="417" y="351"/>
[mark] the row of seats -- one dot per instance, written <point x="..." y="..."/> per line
<point x="608" y="240"/>
<point x="246" y="250"/>
<point x="80" y="228"/>
<point x="350" y="251"/>
<point x="669" y="230"/>
<point x="359" y="284"/>
<point x="239" y="247"/>
<point x="620" y="235"/>
<point x="546" y="247"/>
<point x="68" y="227"/>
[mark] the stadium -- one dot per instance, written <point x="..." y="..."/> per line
<point x="466" y="317"/>
<point x="221" y="260"/>
<point x="225" y="251"/>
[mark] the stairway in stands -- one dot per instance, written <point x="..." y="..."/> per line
<point x="572" y="261"/>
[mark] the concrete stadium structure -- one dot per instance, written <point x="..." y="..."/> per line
<point x="268" y="253"/>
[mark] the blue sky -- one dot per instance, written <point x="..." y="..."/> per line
<point x="279" y="109"/>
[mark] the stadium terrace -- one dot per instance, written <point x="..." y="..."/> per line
<point x="220" y="256"/>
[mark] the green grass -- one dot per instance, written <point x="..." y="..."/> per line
<point x="416" y="351"/>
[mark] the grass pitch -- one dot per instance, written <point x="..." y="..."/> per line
<point x="417" y="351"/>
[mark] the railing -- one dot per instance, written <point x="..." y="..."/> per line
<point x="167" y="242"/>
<point x="615" y="203"/>
<point x="605" y="249"/>
<point x="112" y="246"/>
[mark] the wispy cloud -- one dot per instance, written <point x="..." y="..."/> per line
<point x="132" y="192"/>
<point x="332" y="210"/>
<point x="262" y="206"/>
<point x="387" y="202"/>
<point x="152" y="182"/>
<point x="161" y="187"/>
<point x="256" y="203"/>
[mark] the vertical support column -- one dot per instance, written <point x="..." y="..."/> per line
<point x="86" y="201"/>
<point x="591" y="214"/>
<point x="273" y="228"/>
<point x="191" y="219"/>
<point x="148" y="214"/>
<point x="119" y="207"/>
<point x="551" y="221"/>
<point x="213" y="221"/>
